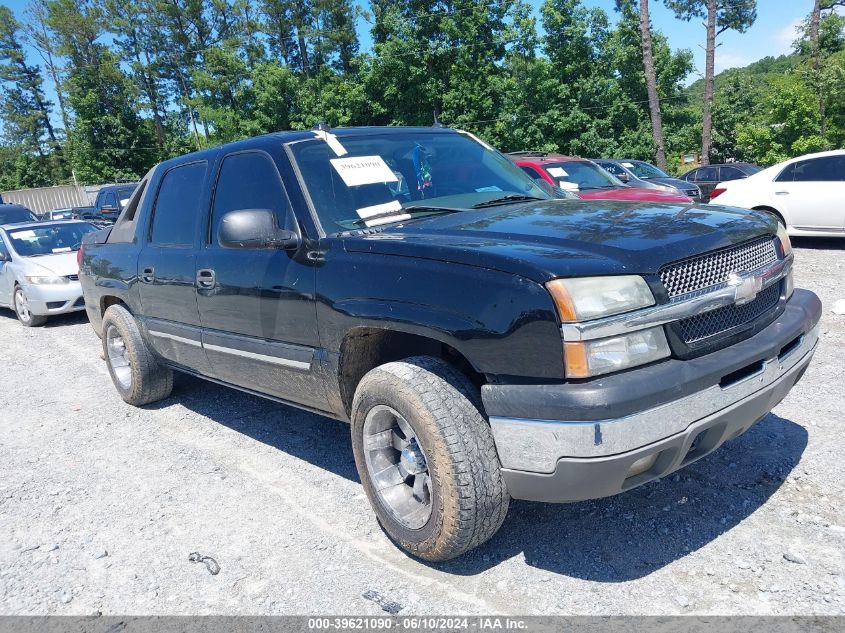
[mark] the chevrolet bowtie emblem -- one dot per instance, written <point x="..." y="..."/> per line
<point x="746" y="287"/>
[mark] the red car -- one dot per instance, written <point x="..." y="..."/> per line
<point x="586" y="179"/>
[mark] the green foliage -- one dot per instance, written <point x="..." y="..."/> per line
<point x="139" y="81"/>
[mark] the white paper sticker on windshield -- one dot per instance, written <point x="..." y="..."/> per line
<point x="558" y="172"/>
<point x="23" y="235"/>
<point x="628" y="165"/>
<point x="567" y="186"/>
<point x="382" y="213"/>
<point x="331" y="139"/>
<point x="66" y="249"/>
<point x="363" y="170"/>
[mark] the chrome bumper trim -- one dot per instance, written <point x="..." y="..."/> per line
<point x="537" y="445"/>
<point x="680" y="307"/>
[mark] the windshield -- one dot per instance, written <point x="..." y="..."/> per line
<point x="581" y="175"/>
<point x="123" y="195"/>
<point x="49" y="239"/>
<point x="391" y="177"/>
<point x="644" y="170"/>
<point x="750" y="169"/>
<point x="16" y="214"/>
<point x="62" y="215"/>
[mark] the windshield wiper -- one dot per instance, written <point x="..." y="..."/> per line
<point x="407" y="211"/>
<point x="510" y="199"/>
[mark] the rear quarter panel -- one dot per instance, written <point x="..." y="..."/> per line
<point x="108" y="270"/>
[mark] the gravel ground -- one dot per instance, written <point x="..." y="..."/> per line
<point x="101" y="505"/>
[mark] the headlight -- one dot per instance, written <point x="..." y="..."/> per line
<point x="783" y="236"/>
<point x="594" y="297"/>
<point x="602" y="356"/>
<point x="47" y="281"/>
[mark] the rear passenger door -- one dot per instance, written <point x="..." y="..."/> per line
<point x="257" y="304"/>
<point x="167" y="267"/>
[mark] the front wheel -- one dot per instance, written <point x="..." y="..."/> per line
<point x="23" y="311"/>
<point x="426" y="458"/>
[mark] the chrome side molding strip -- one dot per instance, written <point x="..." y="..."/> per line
<point x="735" y="290"/>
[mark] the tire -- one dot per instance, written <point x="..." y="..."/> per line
<point x="23" y="313"/>
<point x="467" y="497"/>
<point x="138" y="375"/>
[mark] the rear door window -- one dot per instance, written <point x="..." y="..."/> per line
<point x="249" y="181"/>
<point x="706" y="174"/>
<point x="177" y="205"/>
<point x="109" y="200"/>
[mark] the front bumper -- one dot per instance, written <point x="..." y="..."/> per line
<point x="46" y="299"/>
<point x="575" y="441"/>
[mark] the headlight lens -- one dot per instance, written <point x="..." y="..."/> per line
<point x="47" y="281"/>
<point x="594" y="297"/>
<point x="602" y="356"/>
<point x="783" y="236"/>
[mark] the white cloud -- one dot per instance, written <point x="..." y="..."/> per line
<point x="788" y="34"/>
<point x="725" y="60"/>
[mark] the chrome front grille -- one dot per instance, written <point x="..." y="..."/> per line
<point x="710" y="269"/>
<point x="722" y="320"/>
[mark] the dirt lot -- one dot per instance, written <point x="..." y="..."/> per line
<point x="101" y="505"/>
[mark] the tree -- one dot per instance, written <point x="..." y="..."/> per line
<point x="26" y="108"/>
<point x="813" y="32"/>
<point x="110" y="139"/>
<point x="651" y="85"/>
<point x="720" y="16"/>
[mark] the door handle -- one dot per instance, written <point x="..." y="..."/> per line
<point x="781" y="193"/>
<point x="206" y="278"/>
<point x="148" y="275"/>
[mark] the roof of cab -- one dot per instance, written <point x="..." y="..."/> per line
<point x="298" y="135"/>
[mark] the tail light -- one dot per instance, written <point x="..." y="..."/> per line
<point x="79" y="255"/>
<point x="718" y="191"/>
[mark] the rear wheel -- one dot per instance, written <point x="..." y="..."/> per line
<point x="22" y="309"/>
<point x="426" y="458"/>
<point x="138" y="375"/>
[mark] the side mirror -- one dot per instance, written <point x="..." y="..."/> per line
<point x="254" y="228"/>
<point x="624" y="177"/>
<point x="5" y="257"/>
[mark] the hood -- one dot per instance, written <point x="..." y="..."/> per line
<point x="60" y="264"/>
<point x="674" y="182"/>
<point x="568" y="238"/>
<point x="634" y="193"/>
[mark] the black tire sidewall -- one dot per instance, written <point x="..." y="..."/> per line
<point x="113" y="318"/>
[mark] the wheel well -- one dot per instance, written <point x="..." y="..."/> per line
<point x="109" y="301"/>
<point x="364" y="349"/>
<point x="774" y="212"/>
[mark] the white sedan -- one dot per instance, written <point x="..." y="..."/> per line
<point x="807" y="194"/>
<point x="39" y="275"/>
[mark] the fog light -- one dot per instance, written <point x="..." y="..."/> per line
<point x="641" y="465"/>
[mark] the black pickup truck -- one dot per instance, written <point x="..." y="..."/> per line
<point x="484" y="340"/>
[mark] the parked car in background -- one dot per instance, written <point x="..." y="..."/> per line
<point x="484" y="340"/>
<point x="707" y="177"/>
<point x="60" y="214"/>
<point x="585" y="179"/>
<point x="806" y="194"/>
<point x="39" y="274"/>
<point x="16" y="213"/>
<point x="638" y="173"/>
<point x="111" y="199"/>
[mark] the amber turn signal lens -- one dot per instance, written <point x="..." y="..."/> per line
<point x="575" y="360"/>
<point x="563" y="302"/>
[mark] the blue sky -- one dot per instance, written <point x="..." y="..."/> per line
<point x="771" y="34"/>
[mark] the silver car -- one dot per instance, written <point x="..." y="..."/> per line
<point x="39" y="274"/>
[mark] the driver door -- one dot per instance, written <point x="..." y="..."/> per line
<point x="6" y="280"/>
